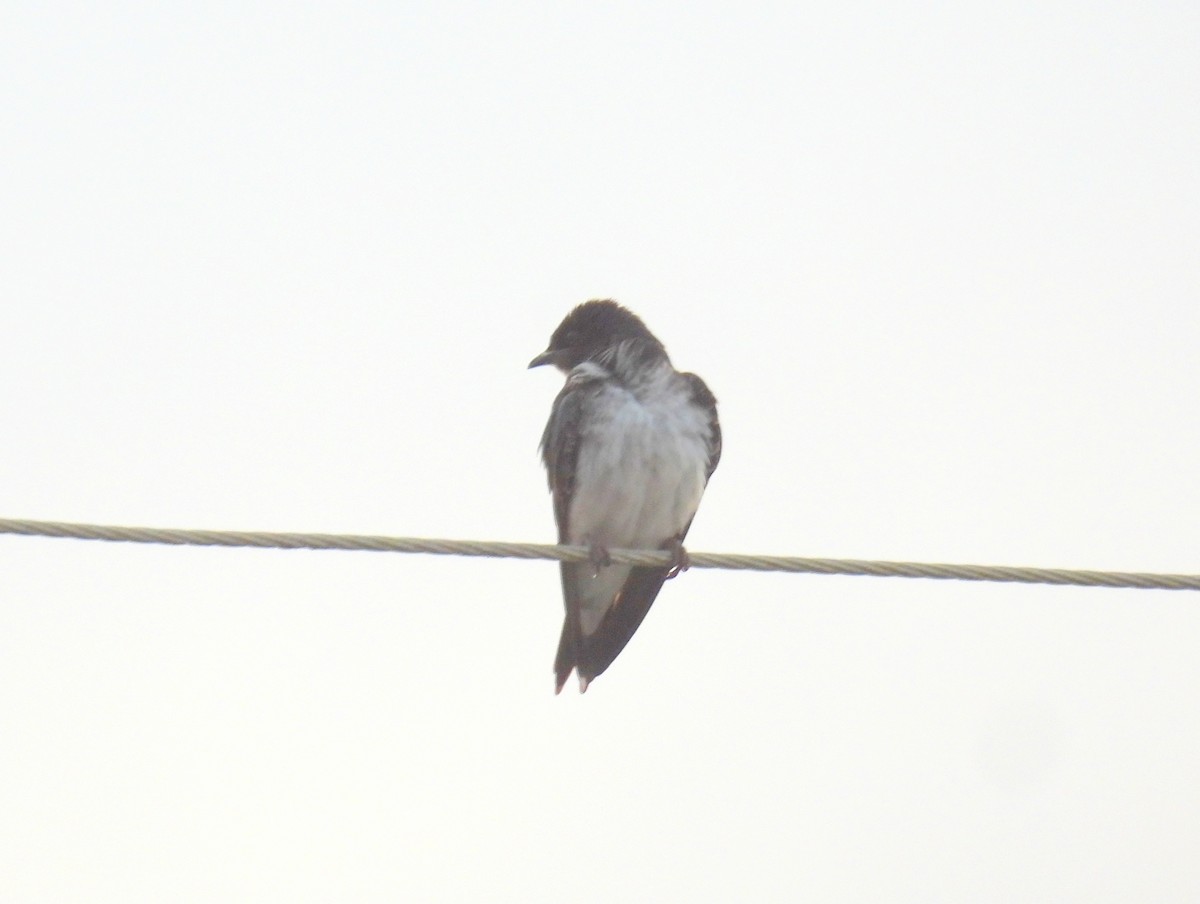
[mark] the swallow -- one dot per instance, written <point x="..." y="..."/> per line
<point x="629" y="448"/>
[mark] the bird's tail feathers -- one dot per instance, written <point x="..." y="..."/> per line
<point x="589" y="655"/>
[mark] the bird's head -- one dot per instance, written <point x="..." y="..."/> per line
<point x="589" y="331"/>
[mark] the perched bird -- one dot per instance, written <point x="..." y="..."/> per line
<point x="629" y="448"/>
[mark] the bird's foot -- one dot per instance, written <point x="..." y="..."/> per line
<point x="598" y="557"/>
<point x="680" y="560"/>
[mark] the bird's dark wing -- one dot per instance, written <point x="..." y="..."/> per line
<point x="702" y="396"/>
<point x="560" y="446"/>
<point x="560" y="451"/>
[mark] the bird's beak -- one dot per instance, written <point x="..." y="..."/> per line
<point x="546" y="357"/>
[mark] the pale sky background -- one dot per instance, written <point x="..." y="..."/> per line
<point x="281" y="267"/>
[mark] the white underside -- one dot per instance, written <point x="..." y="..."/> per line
<point x="639" y="479"/>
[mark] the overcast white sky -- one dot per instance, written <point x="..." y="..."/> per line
<point x="280" y="266"/>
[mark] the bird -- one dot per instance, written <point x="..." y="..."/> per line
<point x="629" y="449"/>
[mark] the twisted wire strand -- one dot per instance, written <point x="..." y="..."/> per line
<point x="728" y="561"/>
